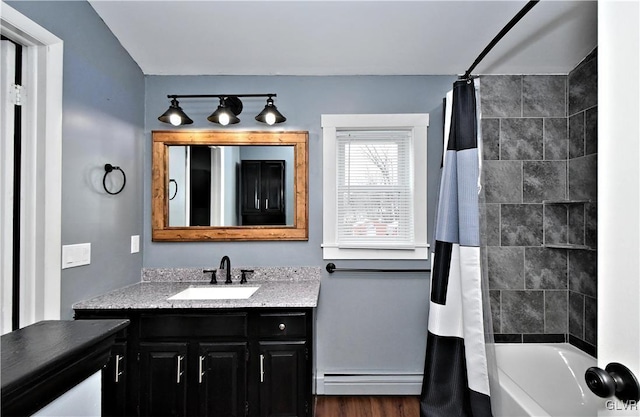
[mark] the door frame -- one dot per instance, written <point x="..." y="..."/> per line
<point x="41" y="183"/>
<point x="618" y="192"/>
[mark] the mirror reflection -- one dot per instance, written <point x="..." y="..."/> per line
<point x="214" y="185"/>
<point x="229" y="185"/>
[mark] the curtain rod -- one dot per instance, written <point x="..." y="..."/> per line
<point x="331" y="268"/>
<point x="499" y="36"/>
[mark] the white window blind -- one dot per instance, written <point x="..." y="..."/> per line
<point x="375" y="189"/>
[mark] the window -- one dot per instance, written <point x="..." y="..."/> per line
<point x="374" y="192"/>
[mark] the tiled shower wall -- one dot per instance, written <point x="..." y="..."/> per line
<point x="540" y="144"/>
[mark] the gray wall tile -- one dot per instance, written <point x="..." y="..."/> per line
<point x="591" y="131"/>
<point x="591" y="225"/>
<point x="583" y="86"/>
<point x="590" y="320"/>
<point x="576" y="135"/>
<point x="583" y="178"/>
<point x="544" y="95"/>
<point x="545" y="268"/>
<point x="555" y="224"/>
<point x="501" y="95"/>
<point x="576" y="314"/>
<point x="532" y="116"/>
<point x="555" y="312"/>
<point x="544" y="180"/>
<point x="506" y="268"/>
<point x="521" y="225"/>
<point x="492" y="213"/>
<point x="576" y="224"/>
<point x="503" y="181"/>
<point x="494" y="296"/>
<point x="556" y="138"/>
<point x="583" y="272"/>
<point x="522" y="311"/>
<point x="521" y="139"/>
<point x="490" y="138"/>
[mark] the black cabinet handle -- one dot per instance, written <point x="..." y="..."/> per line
<point x="616" y="379"/>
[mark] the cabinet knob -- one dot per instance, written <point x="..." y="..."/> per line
<point x="282" y="326"/>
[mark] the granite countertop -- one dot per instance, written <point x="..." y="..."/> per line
<point x="278" y="287"/>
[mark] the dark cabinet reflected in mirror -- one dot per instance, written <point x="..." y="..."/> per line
<point x="211" y="185"/>
<point x="262" y="192"/>
<point x="231" y="185"/>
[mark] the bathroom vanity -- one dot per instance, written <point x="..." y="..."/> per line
<point x="210" y="357"/>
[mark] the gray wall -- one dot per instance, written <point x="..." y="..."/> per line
<point x="365" y="321"/>
<point x="103" y="113"/>
<point x="539" y="144"/>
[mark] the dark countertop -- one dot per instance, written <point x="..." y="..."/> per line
<point x="42" y="361"/>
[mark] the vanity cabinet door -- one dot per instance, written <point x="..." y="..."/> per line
<point x="222" y="379"/>
<point x="114" y="382"/>
<point x="283" y="378"/>
<point x="163" y="379"/>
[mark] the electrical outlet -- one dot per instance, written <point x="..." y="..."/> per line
<point x="135" y="244"/>
<point x="76" y="255"/>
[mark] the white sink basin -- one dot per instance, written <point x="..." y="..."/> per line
<point x="215" y="293"/>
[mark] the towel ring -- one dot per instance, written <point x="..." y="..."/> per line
<point x="174" y="182"/>
<point x="107" y="170"/>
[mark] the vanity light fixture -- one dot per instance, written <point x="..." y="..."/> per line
<point x="175" y="115"/>
<point x="229" y="108"/>
<point x="270" y="114"/>
<point x="225" y="114"/>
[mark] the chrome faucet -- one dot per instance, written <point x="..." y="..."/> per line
<point x="225" y="263"/>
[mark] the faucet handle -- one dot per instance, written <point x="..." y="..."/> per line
<point x="213" y="275"/>
<point x="244" y="272"/>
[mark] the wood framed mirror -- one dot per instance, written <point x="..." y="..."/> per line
<point x="229" y="185"/>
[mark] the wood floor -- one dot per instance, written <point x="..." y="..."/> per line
<point x="366" y="406"/>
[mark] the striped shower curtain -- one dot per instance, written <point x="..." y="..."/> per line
<point x="456" y="381"/>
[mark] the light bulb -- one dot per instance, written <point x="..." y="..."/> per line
<point x="270" y="118"/>
<point x="175" y="119"/>
<point x="224" y="119"/>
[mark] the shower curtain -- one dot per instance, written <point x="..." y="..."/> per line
<point x="456" y="380"/>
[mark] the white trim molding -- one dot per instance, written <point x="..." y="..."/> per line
<point x="417" y="123"/>
<point x="41" y="165"/>
<point x="368" y="383"/>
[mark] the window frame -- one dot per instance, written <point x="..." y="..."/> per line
<point x="418" y="124"/>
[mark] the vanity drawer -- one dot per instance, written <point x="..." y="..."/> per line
<point x="282" y="325"/>
<point x="215" y="325"/>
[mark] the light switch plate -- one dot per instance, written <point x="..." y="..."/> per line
<point x="76" y="255"/>
<point x="135" y="244"/>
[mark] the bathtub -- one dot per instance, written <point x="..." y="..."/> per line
<point x="543" y="379"/>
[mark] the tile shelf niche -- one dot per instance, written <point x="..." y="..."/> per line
<point x="565" y="245"/>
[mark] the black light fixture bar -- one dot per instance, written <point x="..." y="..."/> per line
<point x="219" y="95"/>
<point x="229" y="108"/>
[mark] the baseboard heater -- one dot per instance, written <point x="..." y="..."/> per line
<point x="369" y="384"/>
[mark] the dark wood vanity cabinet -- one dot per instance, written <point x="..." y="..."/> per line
<point x="163" y="385"/>
<point x="114" y="380"/>
<point x="219" y="363"/>
<point x="262" y="192"/>
<point x="283" y="346"/>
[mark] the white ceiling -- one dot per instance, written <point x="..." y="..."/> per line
<point x="349" y="37"/>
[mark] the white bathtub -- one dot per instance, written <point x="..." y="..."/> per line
<point x="543" y="379"/>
